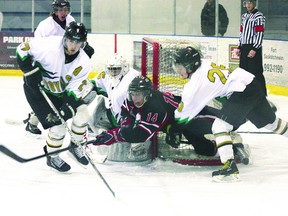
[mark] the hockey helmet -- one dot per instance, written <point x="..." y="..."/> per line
<point x="76" y="32"/>
<point x="140" y="85"/>
<point x="56" y="4"/>
<point x="189" y="57"/>
<point x="116" y="68"/>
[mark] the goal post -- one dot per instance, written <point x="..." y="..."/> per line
<point x="157" y="65"/>
<point x="150" y="46"/>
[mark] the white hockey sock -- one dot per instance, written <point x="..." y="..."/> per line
<point x="224" y="145"/>
<point x="279" y="126"/>
<point x="221" y="131"/>
<point x="55" y="137"/>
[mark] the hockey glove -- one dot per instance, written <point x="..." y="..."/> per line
<point x="88" y="50"/>
<point x="33" y="78"/>
<point x="66" y="112"/>
<point x="53" y="119"/>
<point x="172" y="138"/>
<point x="108" y="137"/>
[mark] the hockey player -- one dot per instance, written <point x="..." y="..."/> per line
<point x="57" y="21"/>
<point x="59" y="18"/>
<point x="111" y="88"/>
<point x="245" y="100"/>
<point x="112" y="84"/>
<point x="148" y="111"/>
<point x="61" y="65"/>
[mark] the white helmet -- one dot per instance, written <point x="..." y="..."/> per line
<point x="116" y="68"/>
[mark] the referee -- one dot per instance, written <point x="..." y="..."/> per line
<point x="250" y="43"/>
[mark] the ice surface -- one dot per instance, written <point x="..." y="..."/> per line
<point x="159" y="188"/>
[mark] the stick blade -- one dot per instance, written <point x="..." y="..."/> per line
<point x="11" y="154"/>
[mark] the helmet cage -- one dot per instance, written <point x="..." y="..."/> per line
<point x="116" y="68"/>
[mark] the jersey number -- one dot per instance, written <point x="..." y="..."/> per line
<point x="152" y="118"/>
<point x="217" y="71"/>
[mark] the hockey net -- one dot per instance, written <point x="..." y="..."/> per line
<point x="157" y="65"/>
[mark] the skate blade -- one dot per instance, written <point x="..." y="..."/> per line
<point x="226" y="179"/>
<point x="30" y="135"/>
<point x="69" y="172"/>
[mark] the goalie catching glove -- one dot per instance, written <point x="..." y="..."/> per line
<point x="108" y="137"/>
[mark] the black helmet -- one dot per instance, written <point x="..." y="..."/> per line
<point x="76" y="32"/>
<point x="141" y="84"/>
<point x="189" y="57"/>
<point x="60" y="4"/>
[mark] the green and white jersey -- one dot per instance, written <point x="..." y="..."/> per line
<point x="58" y="75"/>
<point x="208" y="82"/>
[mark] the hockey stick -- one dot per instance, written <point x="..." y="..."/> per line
<point x="20" y="159"/>
<point x="73" y="139"/>
<point x="256" y="132"/>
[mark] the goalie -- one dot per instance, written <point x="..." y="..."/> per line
<point x="147" y="111"/>
<point x="111" y="88"/>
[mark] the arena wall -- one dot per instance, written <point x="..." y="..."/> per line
<point x="219" y="50"/>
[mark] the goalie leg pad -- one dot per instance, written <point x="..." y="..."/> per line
<point x="100" y="119"/>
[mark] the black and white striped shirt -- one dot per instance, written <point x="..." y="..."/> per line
<point x="252" y="29"/>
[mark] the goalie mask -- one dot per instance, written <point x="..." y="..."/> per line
<point x="117" y="68"/>
<point x="140" y="90"/>
<point x="186" y="60"/>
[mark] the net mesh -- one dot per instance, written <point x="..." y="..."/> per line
<point x="157" y="65"/>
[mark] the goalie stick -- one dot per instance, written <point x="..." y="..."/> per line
<point x="73" y="139"/>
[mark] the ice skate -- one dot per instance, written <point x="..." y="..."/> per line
<point x="57" y="163"/>
<point x="228" y="173"/>
<point x="31" y="124"/>
<point x="78" y="153"/>
<point x="33" y="129"/>
<point x="240" y="151"/>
